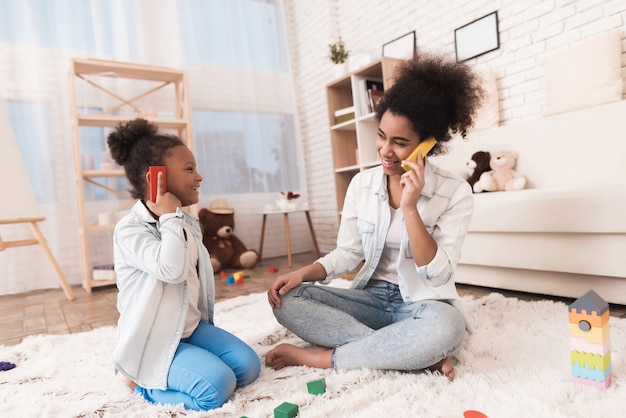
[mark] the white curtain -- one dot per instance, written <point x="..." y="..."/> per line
<point x="246" y="137"/>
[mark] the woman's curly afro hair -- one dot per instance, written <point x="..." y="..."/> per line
<point x="438" y="96"/>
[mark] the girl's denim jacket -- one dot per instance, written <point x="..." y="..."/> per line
<point x="445" y="206"/>
<point x="151" y="262"/>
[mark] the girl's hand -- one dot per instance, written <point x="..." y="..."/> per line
<point x="281" y="286"/>
<point x="166" y="202"/>
<point x="412" y="182"/>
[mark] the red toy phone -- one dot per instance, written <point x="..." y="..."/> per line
<point x="154" y="180"/>
<point x="425" y="146"/>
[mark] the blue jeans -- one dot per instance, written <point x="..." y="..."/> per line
<point x="373" y="327"/>
<point x="205" y="370"/>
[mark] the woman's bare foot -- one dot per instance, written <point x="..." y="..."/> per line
<point x="444" y="367"/>
<point x="130" y="384"/>
<point x="290" y="355"/>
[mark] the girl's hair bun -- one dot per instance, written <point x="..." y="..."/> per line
<point x="126" y="135"/>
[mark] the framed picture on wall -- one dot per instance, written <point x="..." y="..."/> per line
<point x="402" y="47"/>
<point x="477" y="37"/>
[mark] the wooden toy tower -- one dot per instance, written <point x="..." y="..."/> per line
<point x="589" y="336"/>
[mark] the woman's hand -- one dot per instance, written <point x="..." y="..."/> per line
<point x="282" y="285"/>
<point x="412" y="182"/>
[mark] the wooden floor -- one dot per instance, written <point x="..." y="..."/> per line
<point x="49" y="311"/>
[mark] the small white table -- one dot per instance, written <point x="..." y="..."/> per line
<point x="285" y="214"/>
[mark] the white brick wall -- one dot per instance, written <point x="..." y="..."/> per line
<point x="529" y="30"/>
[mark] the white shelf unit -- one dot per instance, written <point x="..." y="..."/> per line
<point x="353" y="142"/>
<point x="104" y="94"/>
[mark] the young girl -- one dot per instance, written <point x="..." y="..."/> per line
<point x="402" y="311"/>
<point x="168" y="348"/>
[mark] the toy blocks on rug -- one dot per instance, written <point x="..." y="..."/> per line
<point x="316" y="387"/>
<point x="286" y="410"/>
<point x="237" y="278"/>
<point x="590" y="354"/>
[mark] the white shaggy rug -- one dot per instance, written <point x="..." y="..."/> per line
<point x="516" y="364"/>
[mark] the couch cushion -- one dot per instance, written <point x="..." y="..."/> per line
<point x="583" y="147"/>
<point x="577" y="209"/>
<point x="587" y="74"/>
<point x="488" y="115"/>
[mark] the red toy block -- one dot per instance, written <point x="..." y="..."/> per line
<point x="473" y="414"/>
<point x="272" y="269"/>
<point x="223" y="274"/>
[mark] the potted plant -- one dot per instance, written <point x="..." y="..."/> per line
<point x="338" y="54"/>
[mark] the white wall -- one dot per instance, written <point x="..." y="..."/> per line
<point x="529" y="30"/>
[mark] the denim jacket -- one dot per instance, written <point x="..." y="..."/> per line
<point x="445" y="206"/>
<point x="151" y="265"/>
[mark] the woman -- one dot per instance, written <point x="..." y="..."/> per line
<point x="402" y="311"/>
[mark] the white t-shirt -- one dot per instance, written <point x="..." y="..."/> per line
<point x="193" y="287"/>
<point x="387" y="266"/>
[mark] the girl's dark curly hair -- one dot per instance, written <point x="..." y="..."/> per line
<point x="437" y="95"/>
<point x="136" y="145"/>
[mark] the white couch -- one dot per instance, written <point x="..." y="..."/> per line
<point x="566" y="232"/>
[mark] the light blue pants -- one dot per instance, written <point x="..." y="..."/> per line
<point x="205" y="370"/>
<point x="373" y="327"/>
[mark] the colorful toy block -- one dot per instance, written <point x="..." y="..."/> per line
<point x="223" y="274"/>
<point x="238" y="276"/>
<point x="590" y="354"/>
<point x="470" y="413"/>
<point x="230" y="280"/>
<point x="316" y="387"/>
<point x="272" y="269"/>
<point x="286" y="410"/>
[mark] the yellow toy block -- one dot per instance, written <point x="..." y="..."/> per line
<point x="594" y="335"/>
<point x="594" y="361"/>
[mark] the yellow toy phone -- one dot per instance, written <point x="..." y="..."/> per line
<point x="425" y="146"/>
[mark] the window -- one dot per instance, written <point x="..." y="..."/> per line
<point x="69" y="24"/>
<point x="245" y="153"/>
<point x="31" y="126"/>
<point x="243" y="33"/>
<point x="245" y="134"/>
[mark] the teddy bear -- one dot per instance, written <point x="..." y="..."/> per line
<point x="478" y="164"/>
<point x="502" y="175"/>
<point x="225" y="249"/>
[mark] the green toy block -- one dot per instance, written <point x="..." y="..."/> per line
<point x="286" y="410"/>
<point x="316" y="387"/>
